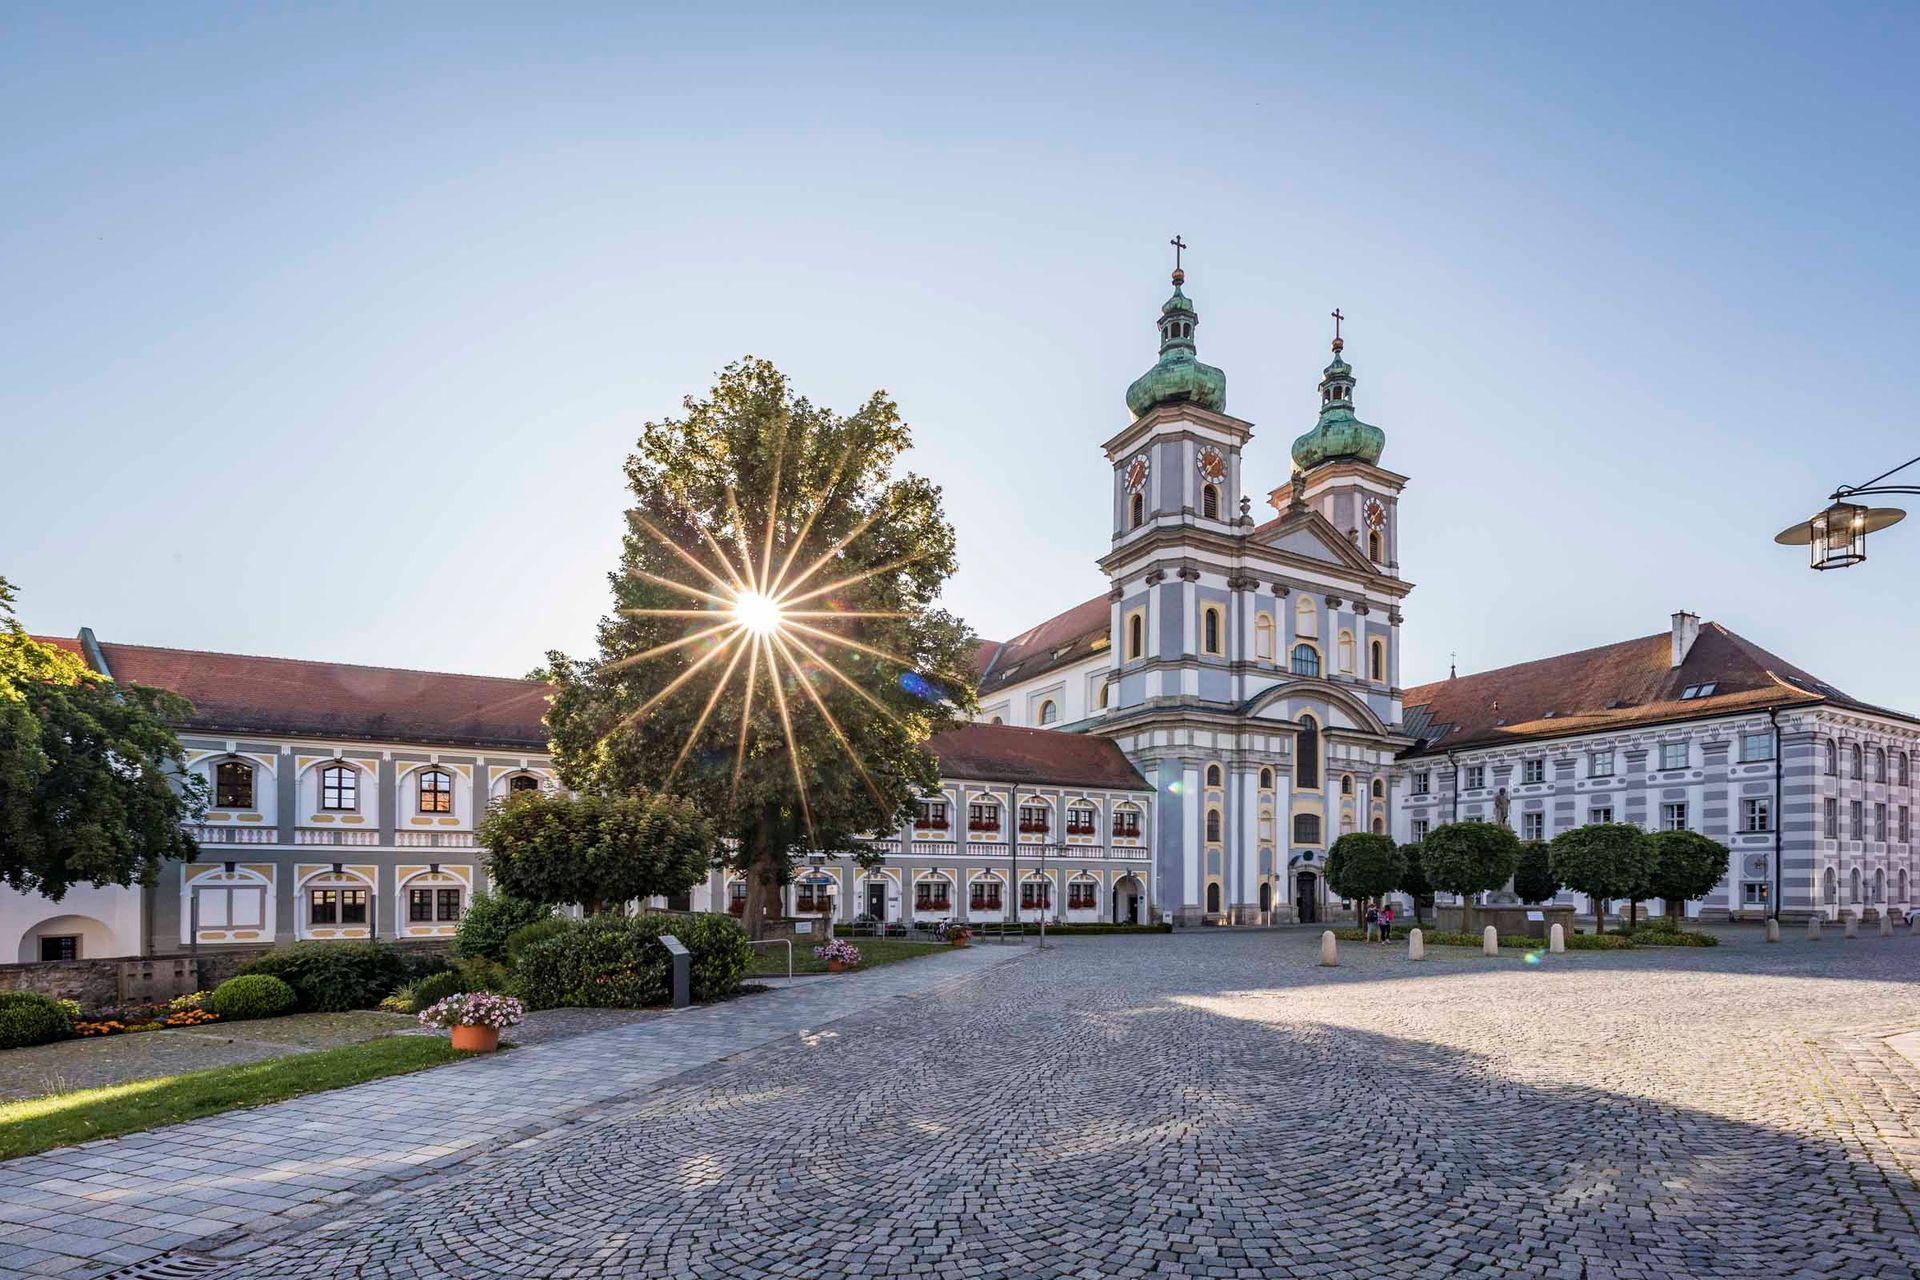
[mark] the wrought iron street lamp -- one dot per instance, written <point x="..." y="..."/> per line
<point x="1837" y="536"/>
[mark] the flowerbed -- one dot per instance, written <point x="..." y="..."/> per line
<point x="114" y="1020"/>
<point x="840" y="952"/>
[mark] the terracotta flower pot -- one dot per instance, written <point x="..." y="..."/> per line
<point x="836" y="966"/>
<point x="476" y="1039"/>
<point x="960" y="942"/>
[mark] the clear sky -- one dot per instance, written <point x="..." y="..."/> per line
<point x="326" y="329"/>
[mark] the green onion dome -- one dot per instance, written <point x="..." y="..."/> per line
<point x="1338" y="434"/>
<point x="1178" y="375"/>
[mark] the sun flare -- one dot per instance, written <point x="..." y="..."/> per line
<point x="758" y="613"/>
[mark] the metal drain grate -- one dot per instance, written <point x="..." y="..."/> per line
<point x="166" y="1266"/>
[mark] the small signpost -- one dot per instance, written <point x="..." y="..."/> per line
<point x="682" y="970"/>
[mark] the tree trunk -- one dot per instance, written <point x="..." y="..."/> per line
<point x="1599" y="915"/>
<point x="1633" y="914"/>
<point x="759" y="862"/>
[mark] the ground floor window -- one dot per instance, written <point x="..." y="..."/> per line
<point x="433" y="906"/>
<point x="338" y="906"/>
<point x="1673" y="817"/>
<point x="1533" y="826"/>
<point x="1600" y="813"/>
<point x="811" y="899"/>
<point x="932" y="895"/>
<point x="737" y="897"/>
<point x="1082" y="895"/>
<point x="985" y="895"/>
<point x="1756" y="893"/>
<point x="1036" y="895"/>
<point x="1419" y="829"/>
<point x="65" y="946"/>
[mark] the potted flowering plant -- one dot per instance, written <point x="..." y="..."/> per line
<point x="476" y="1018"/>
<point x="839" y="954"/>
<point x="956" y="933"/>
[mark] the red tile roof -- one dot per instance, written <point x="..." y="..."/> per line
<point x="1062" y="639"/>
<point x="1632" y="682"/>
<point x="1041" y="757"/>
<point x="62" y="642"/>
<point x="238" y="694"/>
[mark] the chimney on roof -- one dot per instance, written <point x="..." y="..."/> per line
<point x="1686" y="629"/>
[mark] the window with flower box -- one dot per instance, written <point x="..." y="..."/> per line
<point x="1126" y="822"/>
<point x="932" y="816"/>
<point x="1082" y="819"/>
<point x="813" y="897"/>
<point x="933" y="895"/>
<point x="983" y="816"/>
<point x="984" y="895"/>
<point x="737" y="898"/>
<point x="1036" y="895"/>
<point x="1083" y="895"/>
<point x="1033" y="819"/>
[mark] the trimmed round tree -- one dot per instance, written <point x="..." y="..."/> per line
<point x="1687" y="865"/>
<point x="1605" y="860"/>
<point x="1413" y="880"/>
<point x="598" y="851"/>
<point x="1469" y="857"/>
<point x="1361" y="865"/>
<point x="1533" y="878"/>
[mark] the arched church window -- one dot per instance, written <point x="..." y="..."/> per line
<point x="1306" y="765"/>
<point x="1374" y="548"/>
<point x="1266" y="779"/>
<point x="1213" y="775"/>
<point x="1136" y="510"/>
<point x="1306" y="618"/>
<point x="1343" y="651"/>
<point x="1213" y="826"/>
<point x="1049" y="712"/>
<point x="1136" y="636"/>
<point x="1210" y="629"/>
<point x="1306" y="828"/>
<point x="1213" y="898"/>
<point x="1306" y="660"/>
<point x="1379" y="826"/>
<point x="1101" y="698"/>
<point x="1379" y="789"/>
<point x="1210" y="501"/>
<point x="1263" y="636"/>
<point x="1377" y="660"/>
<point x="1346" y="784"/>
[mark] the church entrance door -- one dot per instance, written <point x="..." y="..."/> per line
<point x="1306" y="897"/>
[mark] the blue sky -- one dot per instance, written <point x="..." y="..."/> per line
<point x="328" y="328"/>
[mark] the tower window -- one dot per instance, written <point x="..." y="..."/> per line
<point x="1136" y="510"/>
<point x="1210" y="629"/>
<point x="1374" y="549"/>
<point x="1377" y="660"/>
<point x="1213" y="775"/>
<point x="1136" y="636"/>
<point x="1210" y="501"/>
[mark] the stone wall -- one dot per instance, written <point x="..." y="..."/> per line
<point x="98" y="983"/>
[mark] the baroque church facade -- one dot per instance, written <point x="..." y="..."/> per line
<point x="1248" y="669"/>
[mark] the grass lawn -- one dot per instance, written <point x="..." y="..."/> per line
<point x="771" y="962"/>
<point x="60" y="1119"/>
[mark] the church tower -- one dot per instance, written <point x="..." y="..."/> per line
<point x="1338" y="472"/>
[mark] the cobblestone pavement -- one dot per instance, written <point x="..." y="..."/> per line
<point x="1217" y="1105"/>
<point x="84" y="1210"/>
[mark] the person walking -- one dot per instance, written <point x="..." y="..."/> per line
<point x="1373" y="923"/>
<point x="1386" y="923"/>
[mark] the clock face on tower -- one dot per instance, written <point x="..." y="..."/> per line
<point x="1137" y="471"/>
<point x="1211" y="464"/>
<point x="1375" y="513"/>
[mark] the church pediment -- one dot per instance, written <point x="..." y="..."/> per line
<point x="1337" y="707"/>
<point x="1312" y="535"/>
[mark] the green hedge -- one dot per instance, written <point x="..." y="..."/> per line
<point x="27" y="1018"/>
<point x="490" y="923"/>
<point x="991" y="930"/>
<point x="332" y="976"/>
<point x="1657" y="936"/>
<point x="252" y="995"/>
<point x="619" y="962"/>
<point x="431" y="990"/>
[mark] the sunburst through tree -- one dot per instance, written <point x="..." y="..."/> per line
<point x="776" y="652"/>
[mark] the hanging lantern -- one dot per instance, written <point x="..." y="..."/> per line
<point x="1839" y="536"/>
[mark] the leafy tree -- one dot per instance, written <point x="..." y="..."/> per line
<point x="1469" y="857"/>
<point x="598" y="851"/>
<point x="1413" y="880"/>
<point x="1533" y="879"/>
<point x="1604" y="860"/>
<point x="1362" y="866"/>
<point x="1687" y="865"/>
<point x="93" y="785"/>
<point x="818" y="735"/>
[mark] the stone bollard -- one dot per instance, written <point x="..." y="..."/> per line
<point x="1557" y="939"/>
<point x="1773" y="930"/>
<point x="1490" y="941"/>
<point x="1851" y="929"/>
<point x="1329" y="949"/>
<point x="1416" y="945"/>
<point x="1886" y="925"/>
<point x="1813" y="928"/>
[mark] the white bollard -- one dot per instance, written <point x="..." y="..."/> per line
<point x="1813" y="928"/>
<point x="1329" y="949"/>
<point x="1490" y="941"/>
<point x="1851" y="929"/>
<point x="1773" y="930"/>
<point x="1557" y="939"/>
<point x="1886" y="925"/>
<point x="1416" y="945"/>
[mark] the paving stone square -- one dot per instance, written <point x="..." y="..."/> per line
<point x="1216" y="1104"/>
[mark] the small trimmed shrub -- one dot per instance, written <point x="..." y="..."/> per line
<point x="528" y="934"/>
<point x="619" y="962"/>
<point x="26" y="1018"/>
<point x="432" y="990"/>
<point x="253" y="995"/>
<point x="1666" y="936"/>
<point x="333" y="976"/>
<point x="481" y="974"/>
<point x="491" y="920"/>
